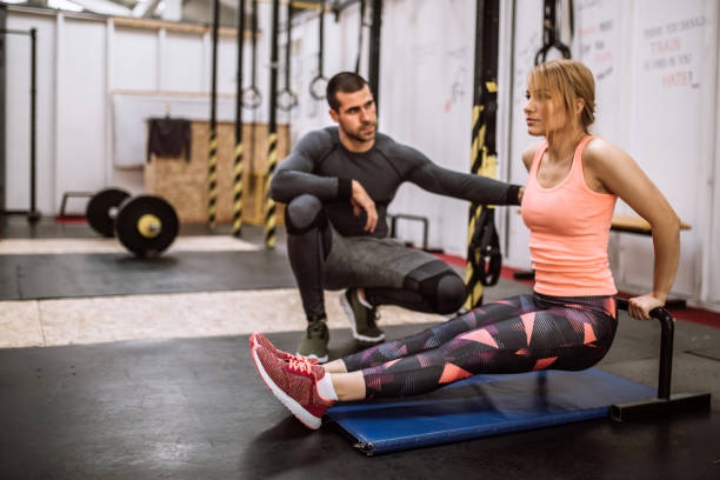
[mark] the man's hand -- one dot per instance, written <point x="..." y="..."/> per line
<point x="361" y="201"/>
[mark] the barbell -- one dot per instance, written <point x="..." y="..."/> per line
<point x="145" y="224"/>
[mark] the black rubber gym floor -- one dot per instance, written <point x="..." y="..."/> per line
<point x="45" y="276"/>
<point x="196" y="409"/>
<point x="36" y="276"/>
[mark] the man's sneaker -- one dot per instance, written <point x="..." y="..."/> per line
<point x="294" y="383"/>
<point x="362" y="319"/>
<point x="314" y="343"/>
<point x="258" y="339"/>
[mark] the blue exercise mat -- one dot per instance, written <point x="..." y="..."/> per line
<point x="485" y="405"/>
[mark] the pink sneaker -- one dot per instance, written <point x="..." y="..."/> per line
<point x="294" y="383"/>
<point x="258" y="339"/>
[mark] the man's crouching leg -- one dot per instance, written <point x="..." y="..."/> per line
<point x="309" y="240"/>
<point x="433" y="287"/>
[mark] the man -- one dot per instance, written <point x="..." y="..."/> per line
<point x="337" y="184"/>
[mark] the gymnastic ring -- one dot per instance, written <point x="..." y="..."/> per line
<point x="313" y="87"/>
<point x="251" y="98"/>
<point x="286" y="100"/>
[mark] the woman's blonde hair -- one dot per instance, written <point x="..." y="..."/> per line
<point x="572" y="80"/>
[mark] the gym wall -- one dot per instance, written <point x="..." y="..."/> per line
<point x="665" y="115"/>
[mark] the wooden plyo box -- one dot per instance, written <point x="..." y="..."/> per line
<point x="184" y="182"/>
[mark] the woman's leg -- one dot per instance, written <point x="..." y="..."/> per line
<point x="434" y="336"/>
<point x="567" y="338"/>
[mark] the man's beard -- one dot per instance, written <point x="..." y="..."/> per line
<point x="359" y="137"/>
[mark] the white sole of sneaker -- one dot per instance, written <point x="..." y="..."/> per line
<point x="353" y="325"/>
<point x="307" y="419"/>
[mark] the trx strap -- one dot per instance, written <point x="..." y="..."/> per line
<point x="551" y="32"/>
<point x="317" y="86"/>
<point x="287" y="99"/>
<point x="484" y="260"/>
<point x="361" y="26"/>
<point x="485" y="250"/>
<point x="374" y="55"/>
<point x="238" y="160"/>
<point x="251" y="97"/>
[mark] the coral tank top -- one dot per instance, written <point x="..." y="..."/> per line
<point x="569" y="231"/>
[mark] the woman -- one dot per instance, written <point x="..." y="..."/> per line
<point x="569" y="321"/>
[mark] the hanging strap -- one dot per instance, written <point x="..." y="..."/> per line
<point x="361" y="27"/>
<point x="317" y="86"/>
<point x="485" y="250"/>
<point x="484" y="260"/>
<point x="551" y="32"/>
<point x="287" y="99"/>
<point x="251" y="97"/>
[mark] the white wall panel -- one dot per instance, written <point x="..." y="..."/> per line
<point x="17" y="150"/>
<point x="135" y="59"/>
<point x="666" y="132"/>
<point x="227" y="65"/>
<point x="182" y="61"/>
<point x="528" y="39"/>
<point x="426" y="102"/>
<point x="17" y="111"/>
<point x="655" y="98"/>
<point x="81" y="108"/>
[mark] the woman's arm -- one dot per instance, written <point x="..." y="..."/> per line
<point x="610" y="169"/>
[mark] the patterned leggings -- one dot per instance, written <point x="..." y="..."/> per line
<point x="519" y="334"/>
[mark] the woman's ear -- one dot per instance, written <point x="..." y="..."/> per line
<point x="579" y="106"/>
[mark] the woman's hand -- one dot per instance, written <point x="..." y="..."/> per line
<point x="640" y="307"/>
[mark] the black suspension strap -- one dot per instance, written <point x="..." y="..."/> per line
<point x="374" y="55"/>
<point x="251" y="97"/>
<point x="484" y="259"/>
<point x="287" y="99"/>
<point x="317" y="86"/>
<point x="551" y="33"/>
<point x="361" y="27"/>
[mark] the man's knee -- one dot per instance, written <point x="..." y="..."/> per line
<point x="439" y="285"/>
<point x="304" y="213"/>
<point x="451" y="293"/>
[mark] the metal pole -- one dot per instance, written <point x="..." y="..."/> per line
<point x="33" y="215"/>
<point x="238" y="164"/>
<point x="272" y="128"/>
<point x="212" y="159"/>
<point x="374" y="67"/>
<point x="3" y="120"/>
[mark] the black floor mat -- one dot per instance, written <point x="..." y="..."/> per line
<point x="24" y="277"/>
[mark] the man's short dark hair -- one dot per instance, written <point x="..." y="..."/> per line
<point x="345" y="82"/>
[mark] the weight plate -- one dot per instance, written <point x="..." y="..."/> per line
<point x="146" y="225"/>
<point x="102" y="208"/>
